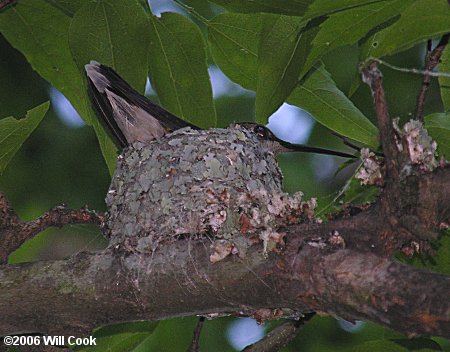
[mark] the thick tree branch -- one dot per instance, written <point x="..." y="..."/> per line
<point x="14" y="232"/>
<point x="432" y="60"/>
<point x="94" y="289"/>
<point x="336" y="267"/>
<point x="313" y="271"/>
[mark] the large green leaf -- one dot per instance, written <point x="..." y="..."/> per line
<point x="305" y="8"/>
<point x="444" y="82"/>
<point x="121" y="337"/>
<point x="378" y="346"/>
<point x="283" y="48"/>
<point x="422" y="20"/>
<point x="325" y="7"/>
<point x="319" y="95"/>
<point x="39" y="31"/>
<point x="114" y="33"/>
<point x="347" y="27"/>
<point x="69" y="7"/>
<point x="178" y="69"/>
<point x="13" y="132"/>
<point x="287" y="7"/>
<point x="234" y="41"/>
<point x="438" y="126"/>
<point x="162" y="339"/>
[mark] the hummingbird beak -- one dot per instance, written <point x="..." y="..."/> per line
<point x="289" y="147"/>
<point x="278" y="146"/>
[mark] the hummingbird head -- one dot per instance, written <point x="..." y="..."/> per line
<point x="268" y="140"/>
<point x="277" y="146"/>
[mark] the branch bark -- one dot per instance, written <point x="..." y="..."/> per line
<point x="432" y="60"/>
<point x="351" y="278"/>
<point x="103" y="288"/>
<point x="15" y="232"/>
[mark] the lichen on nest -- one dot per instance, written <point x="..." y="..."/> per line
<point x="220" y="183"/>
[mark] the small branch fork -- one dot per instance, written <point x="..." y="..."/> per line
<point x="14" y="232"/>
<point x="279" y="337"/>
<point x="405" y="221"/>
<point x="432" y="60"/>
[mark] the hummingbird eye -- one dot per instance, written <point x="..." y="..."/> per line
<point x="260" y="131"/>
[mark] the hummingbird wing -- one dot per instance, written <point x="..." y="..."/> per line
<point x="129" y="116"/>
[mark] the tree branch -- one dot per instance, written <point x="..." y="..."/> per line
<point x="373" y="77"/>
<point x="195" y="344"/>
<point x="14" y="232"/>
<point x="5" y="3"/>
<point x="279" y="337"/>
<point x="432" y="60"/>
<point x="335" y="267"/>
<point x="103" y="288"/>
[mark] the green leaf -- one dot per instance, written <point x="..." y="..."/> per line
<point x="286" y="7"/>
<point x="438" y="126"/>
<point x="352" y="193"/>
<point x="107" y="146"/>
<point x="422" y="20"/>
<point x="234" y="41"/>
<point x="282" y="52"/>
<point x="69" y="7"/>
<point x="178" y="68"/>
<point x="319" y="95"/>
<point x="114" y="33"/>
<point x="325" y="7"/>
<point x="440" y="260"/>
<point x="306" y="8"/>
<point x="162" y="339"/>
<point x="444" y="82"/>
<point x="121" y="337"/>
<point x="441" y="256"/>
<point x="233" y="44"/>
<point x="13" y="132"/>
<point x="378" y="346"/>
<point x="39" y="31"/>
<point x="418" y="344"/>
<point x="347" y="27"/>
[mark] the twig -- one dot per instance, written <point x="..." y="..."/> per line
<point x="373" y="77"/>
<point x="406" y="70"/>
<point x="280" y="336"/>
<point x="347" y="142"/>
<point x="432" y="60"/>
<point x="195" y="344"/>
<point x="14" y="232"/>
<point x="5" y="3"/>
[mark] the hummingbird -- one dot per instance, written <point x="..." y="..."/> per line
<point x="130" y="117"/>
